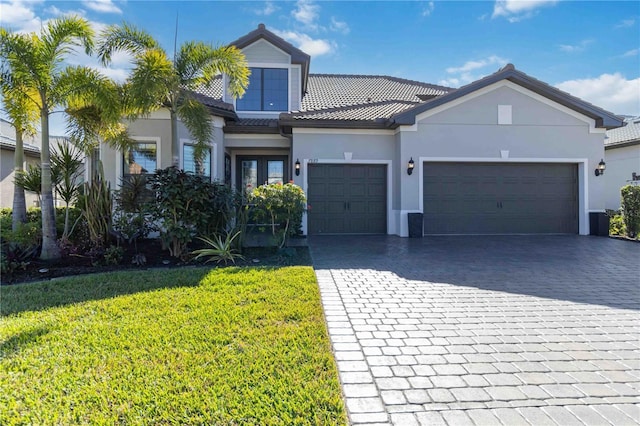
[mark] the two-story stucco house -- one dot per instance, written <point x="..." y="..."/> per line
<point x="505" y="154"/>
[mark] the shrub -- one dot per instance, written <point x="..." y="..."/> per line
<point x="95" y="203"/>
<point x="616" y="224"/>
<point x="630" y="206"/>
<point x="187" y="205"/>
<point x="282" y="206"/>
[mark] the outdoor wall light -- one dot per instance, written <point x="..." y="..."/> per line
<point x="297" y="167"/>
<point x="410" y="166"/>
<point x="601" y="168"/>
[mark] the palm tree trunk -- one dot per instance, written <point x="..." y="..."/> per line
<point x="50" y="250"/>
<point x="175" y="143"/>
<point x="19" y="212"/>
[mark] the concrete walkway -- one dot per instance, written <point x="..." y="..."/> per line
<point x="484" y="330"/>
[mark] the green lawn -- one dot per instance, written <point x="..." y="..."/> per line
<point x="188" y="346"/>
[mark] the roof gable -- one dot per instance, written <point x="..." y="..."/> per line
<point x="603" y="119"/>
<point x="297" y="55"/>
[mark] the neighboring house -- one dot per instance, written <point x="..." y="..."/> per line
<point x="505" y="154"/>
<point x="7" y="150"/>
<point x="622" y="155"/>
<point x="31" y="157"/>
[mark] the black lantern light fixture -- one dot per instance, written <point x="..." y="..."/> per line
<point x="410" y="166"/>
<point x="297" y="167"/>
<point x="601" y="168"/>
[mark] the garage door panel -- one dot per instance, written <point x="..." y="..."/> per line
<point x="488" y="198"/>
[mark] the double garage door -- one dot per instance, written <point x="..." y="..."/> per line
<point x="499" y="198"/>
<point x="459" y="198"/>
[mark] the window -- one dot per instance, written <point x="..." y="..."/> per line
<point x="190" y="165"/>
<point x="268" y="90"/>
<point x="140" y="159"/>
<point x="256" y="171"/>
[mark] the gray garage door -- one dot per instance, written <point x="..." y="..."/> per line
<point x="499" y="198"/>
<point x="347" y="199"/>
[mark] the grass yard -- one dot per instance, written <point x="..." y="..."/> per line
<point x="186" y="346"/>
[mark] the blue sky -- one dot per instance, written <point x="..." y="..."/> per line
<point x="588" y="48"/>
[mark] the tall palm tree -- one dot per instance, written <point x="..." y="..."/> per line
<point x="23" y="114"/>
<point x="157" y="81"/>
<point x="36" y="62"/>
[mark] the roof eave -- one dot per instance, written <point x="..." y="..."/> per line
<point x="333" y="124"/>
<point x="622" y="144"/>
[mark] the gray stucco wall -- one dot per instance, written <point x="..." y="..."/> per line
<point x="621" y="163"/>
<point x="7" y="176"/>
<point x="158" y="128"/>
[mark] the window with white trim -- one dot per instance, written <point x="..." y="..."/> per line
<point x="191" y="165"/>
<point x="141" y="158"/>
<point x="268" y="90"/>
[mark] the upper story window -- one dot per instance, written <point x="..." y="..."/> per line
<point x="268" y="90"/>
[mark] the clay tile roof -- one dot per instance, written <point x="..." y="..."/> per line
<point x="361" y="112"/>
<point x="626" y="134"/>
<point x="336" y="90"/>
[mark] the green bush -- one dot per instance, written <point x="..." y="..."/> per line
<point x="282" y="206"/>
<point x="616" y="224"/>
<point x="630" y="206"/>
<point x="187" y="205"/>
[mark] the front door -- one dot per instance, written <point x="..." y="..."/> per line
<point x="253" y="171"/>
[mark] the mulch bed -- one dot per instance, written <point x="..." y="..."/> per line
<point x="39" y="270"/>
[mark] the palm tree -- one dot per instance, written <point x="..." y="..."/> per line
<point x="157" y="81"/>
<point x="36" y="62"/>
<point x="23" y="114"/>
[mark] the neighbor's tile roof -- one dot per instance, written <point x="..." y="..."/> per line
<point x="625" y="134"/>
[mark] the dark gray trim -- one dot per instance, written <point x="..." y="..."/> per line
<point x="297" y="55"/>
<point x="32" y="152"/>
<point x="622" y="144"/>
<point x="604" y="119"/>
<point x="334" y="124"/>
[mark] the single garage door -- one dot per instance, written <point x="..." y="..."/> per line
<point x="499" y="198"/>
<point x="347" y="199"/>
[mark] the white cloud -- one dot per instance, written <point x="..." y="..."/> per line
<point x="268" y="8"/>
<point x="428" y="8"/>
<point x="625" y="23"/>
<point x="517" y="10"/>
<point x="612" y="92"/>
<point x="339" y="26"/>
<point x="631" y="53"/>
<point x="103" y="6"/>
<point x="306" y="12"/>
<point x="463" y="74"/>
<point x="474" y="65"/>
<point x="312" y="47"/>
<point x="580" y="47"/>
<point x="19" y="16"/>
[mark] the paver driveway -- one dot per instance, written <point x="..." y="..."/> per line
<point x="484" y="330"/>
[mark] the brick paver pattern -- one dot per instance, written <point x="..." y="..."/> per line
<point x="484" y="331"/>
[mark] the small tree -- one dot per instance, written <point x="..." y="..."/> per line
<point x="283" y="206"/>
<point x="66" y="161"/>
<point x="630" y="206"/>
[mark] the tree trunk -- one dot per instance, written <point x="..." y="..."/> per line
<point x="19" y="212"/>
<point x="175" y="142"/>
<point x="50" y="249"/>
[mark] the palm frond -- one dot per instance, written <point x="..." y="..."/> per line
<point x="195" y="117"/>
<point x="153" y="80"/>
<point x="125" y="37"/>
<point x="61" y="36"/>
<point x="231" y="61"/>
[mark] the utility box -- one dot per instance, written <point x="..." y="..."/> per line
<point x="599" y="224"/>
<point x="416" y="223"/>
